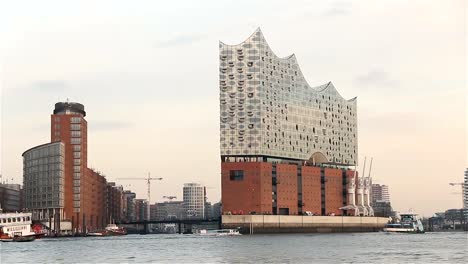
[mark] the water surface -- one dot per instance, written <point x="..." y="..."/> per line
<point x="279" y="248"/>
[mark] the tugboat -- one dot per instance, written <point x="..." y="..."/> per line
<point x="16" y="227"/>
<point x="409" y="223"/>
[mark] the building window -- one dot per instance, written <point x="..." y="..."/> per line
<point x="76" y="140"/>
<point x="76" y="120"/>
<point x="236" y="175"/>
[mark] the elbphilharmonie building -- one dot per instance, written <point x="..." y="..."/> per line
<point x="269" y="110"/>
<point x="286" y="146"/>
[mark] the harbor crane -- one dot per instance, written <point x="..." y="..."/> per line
<point x="170" y="198"/>
<point x="148" y="183"/>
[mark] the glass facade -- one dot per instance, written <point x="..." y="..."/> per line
<point x="44" y="177"/>
<point x="268" y="109"/>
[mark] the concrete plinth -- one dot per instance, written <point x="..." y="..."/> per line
<point x="302" y="224"/>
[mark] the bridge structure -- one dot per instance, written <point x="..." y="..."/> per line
<point x="186" y="223"/>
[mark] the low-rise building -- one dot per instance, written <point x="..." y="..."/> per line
<point x="380" y="193"/>
<point x="10" y="197"/>
<point x="168" y="210"/>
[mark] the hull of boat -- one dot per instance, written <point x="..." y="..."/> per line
<point x="24" y="239"/>
<point x="402" y="230"/>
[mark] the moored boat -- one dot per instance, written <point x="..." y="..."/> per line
<point x="16" y="227"/>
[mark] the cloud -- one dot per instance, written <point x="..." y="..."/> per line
<point x="376" y="77"/>
<point x="338" y="8"/>
<point x="50" y="86"/>
<point x="107" y="125"/>
<point x="180" y="40"/>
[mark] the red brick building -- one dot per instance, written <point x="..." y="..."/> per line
<point x="85" y="190"/>
<point x="74" y="192"/>
<point x="283" y="188"/>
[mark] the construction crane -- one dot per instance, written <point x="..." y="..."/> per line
<point x="148" y="183"/>
<point x="170" y="198"/>
<point x="462" y="185"/>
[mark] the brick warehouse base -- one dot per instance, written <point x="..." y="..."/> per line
<point x="302" y="224"/>
<point x="283" y="188"/>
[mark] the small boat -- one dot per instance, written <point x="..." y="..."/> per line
<point x="219" y="232"/>
<point x="114" y="230"/>
<point x="408" y="223"/>
<point x="110" y="230"/>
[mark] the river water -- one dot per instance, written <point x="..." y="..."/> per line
<point x="278" y="248"/>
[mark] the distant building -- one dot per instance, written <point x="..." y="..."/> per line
<point x="380" y="193"/>
<point x="129" y="207"/>
<point x="208" y="210"/>
<point x="194" y="200"/>
<point x="168" y="210"/>
<point x="465" y="190"/>
<point x="217" y="210"/>
<point x="10" y="198"/>
<point x="383" y="209"/>
<point x="115" y="201"/>
<point x="141" y="209"/>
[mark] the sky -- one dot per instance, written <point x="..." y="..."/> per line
<point x="147" y="73"/>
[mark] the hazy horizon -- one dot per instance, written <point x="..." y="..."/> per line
<point x="147" y="75"/>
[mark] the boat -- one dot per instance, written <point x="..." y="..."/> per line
<point x="408" y="223"/>
<point x="16" y="227"/>
<point x="110" y="230"/>
<point x="114" y="230"/>
<point x="219" y="232"/>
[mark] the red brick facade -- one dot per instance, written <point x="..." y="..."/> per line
<point x="333" y="191"/>
<point x="311" y="190"/>
<point x="254" y="191"/>
<point x="92" y="198"/>
<point x="287" y="188"/>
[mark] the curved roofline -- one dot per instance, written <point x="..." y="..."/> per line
<point x="42" y="145"/>
<point x="288" y="58"/>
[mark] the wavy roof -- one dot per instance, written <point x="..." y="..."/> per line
<point x="292" y="58"/>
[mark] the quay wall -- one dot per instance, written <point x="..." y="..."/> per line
<point x="302" y="224"/>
